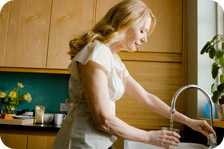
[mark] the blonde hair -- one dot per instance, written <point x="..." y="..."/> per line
<point x="117" y="18"/>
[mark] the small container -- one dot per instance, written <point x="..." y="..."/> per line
<point x="173" y="130"/>
<point x="58" y="119"/>
<point x="48" y="118"/>
<point x="39" y="114"/>
<point x="28" y="114"/>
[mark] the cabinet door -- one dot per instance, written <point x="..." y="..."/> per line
<point x="40" y="142"/>
<point x="103" y="6"/>
<point x="14" y="140"/>
<point x="168" y="30"/>
<point x="69" y="18"/>
<point x="4" y="20"/>
<point x="169" y="27"/>
<point x="27" y="36"/>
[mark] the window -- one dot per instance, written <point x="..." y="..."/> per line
<point x="220" y="20"/>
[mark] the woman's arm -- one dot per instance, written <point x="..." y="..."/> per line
<point x="95" y="83"/>
<point x="134" y="89"/>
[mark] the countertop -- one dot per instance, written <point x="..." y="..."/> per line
<point x="219" y="123"/>
<point x="39" y="127"/>
<point x="216" y="122"/>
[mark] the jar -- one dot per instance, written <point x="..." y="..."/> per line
<point x="39" y="114"/>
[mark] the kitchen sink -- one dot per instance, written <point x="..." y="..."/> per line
<point x="138" y="145"/>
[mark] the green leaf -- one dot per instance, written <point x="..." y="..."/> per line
<point x="215" y="70"/>
<point x="206" y="47"/>
<point x="221" y="100"/>
<point x="212" y="52"/>
<point x="215" y="96"/>
<point x="219" y="53"/>
<point x="222" y="78"/>
<point x="215" y="38"/>
<point x="213" y="88"/>
<point x="221" y="87"/>
<point x="221" y="61"/>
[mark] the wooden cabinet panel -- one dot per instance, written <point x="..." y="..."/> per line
<point x="167" y="36"/>
<point x="40" y="142"/>
<point x="28" y="33"/>
<point x="4" y="20"/>
<point x="14" y="140"/>
<point x="69" y="19"/>
<point x="103" y="6"/>
<point x="161" y="79"/>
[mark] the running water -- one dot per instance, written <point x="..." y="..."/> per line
<point x="171" y="120"/>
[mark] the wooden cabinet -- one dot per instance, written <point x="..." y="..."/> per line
<point x="4" y="19"/>
<point x="40" y="142"/>
<point x="167" y="36"/>
<point x="168" y="29"/>
<point x="103" y="6"/>
<point x="17" y="141"/>
<point x="163" y="81"/>
<point x="26" y="139"/>
<point x="26" y="41"/>
<point x="36" y="33"/>
<point x="68" y="20"/>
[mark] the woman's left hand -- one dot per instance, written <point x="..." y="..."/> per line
<point x="201" y="126"/>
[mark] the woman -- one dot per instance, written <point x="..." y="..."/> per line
<point x="99" y="78"/>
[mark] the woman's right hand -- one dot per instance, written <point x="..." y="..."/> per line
<point x="163" y="138"/>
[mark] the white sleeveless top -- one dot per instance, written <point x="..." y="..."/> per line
<point x="78" y="130"/>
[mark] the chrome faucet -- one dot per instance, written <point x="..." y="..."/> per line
<point x="179" y="91"/>
<point x="173" y="105"/>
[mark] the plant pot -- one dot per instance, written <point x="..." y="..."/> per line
<point x="220" y="111"/>
<point x="9" y="109"/>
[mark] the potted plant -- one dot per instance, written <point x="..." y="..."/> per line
<point x="215" y="50"/>
<point x="10" y="100"/>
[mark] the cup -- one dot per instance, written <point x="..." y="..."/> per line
<point x="48" y="118"/>
<point x="174" y="130"/>
<point x="39" y="114"/>
<point x="58" y="119"/>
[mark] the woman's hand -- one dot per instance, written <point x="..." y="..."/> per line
<point x="163" y="138"/>
<point x="201" y="126"/>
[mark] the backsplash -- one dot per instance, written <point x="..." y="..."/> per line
<point x="46" y="89"/>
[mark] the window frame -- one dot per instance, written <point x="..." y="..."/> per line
<point x="220" y="19"/>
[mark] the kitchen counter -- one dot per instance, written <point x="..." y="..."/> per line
<point x="219" y="123"/>
<point x="34" y="127"/>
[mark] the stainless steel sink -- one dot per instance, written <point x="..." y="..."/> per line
<point x="138" y="145"/>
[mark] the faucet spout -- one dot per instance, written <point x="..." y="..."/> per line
<point x="179" y="91"/>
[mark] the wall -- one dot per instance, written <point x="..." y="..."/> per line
<point x="46" y="89"/>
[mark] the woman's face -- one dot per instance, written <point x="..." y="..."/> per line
<point x="136" y="35"/>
